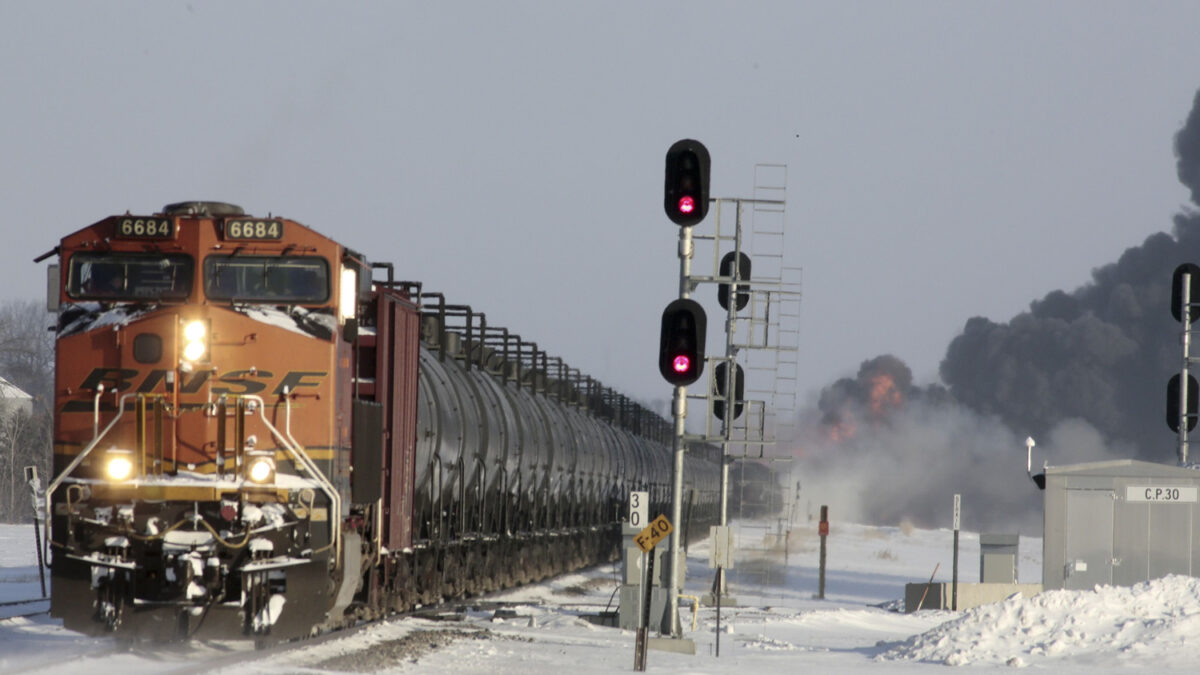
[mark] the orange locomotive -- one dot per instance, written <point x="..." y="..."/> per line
<point x="253" y="437"/>
<point x="202" y="432"/>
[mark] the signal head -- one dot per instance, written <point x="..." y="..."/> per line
<point x="727" y="270"/>
<point x="685" y="193"/>
<point x="720" y="382"/>
<point x="681" y="342"/>
<point x="1174" y="395"/>
<point x="1193" y="272"/>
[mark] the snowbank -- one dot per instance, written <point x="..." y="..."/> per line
<point x="1155" y="623"/>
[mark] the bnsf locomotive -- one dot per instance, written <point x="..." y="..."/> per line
<point x="259" y="434"/>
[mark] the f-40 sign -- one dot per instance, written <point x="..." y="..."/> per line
<point x="658" y="530"/>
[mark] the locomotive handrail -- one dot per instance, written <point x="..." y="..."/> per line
<point x="87" y="450"/>
<point x="289" y="443"/>
<point x="293" y="448"/>
<point x="96" y="410"/>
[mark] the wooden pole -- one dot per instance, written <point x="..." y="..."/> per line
<point x="927" y="586"/>
<point x="639" y="648"/>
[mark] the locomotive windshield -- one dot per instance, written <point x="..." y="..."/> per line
<point x="129" y="276"/>
<point x="267" y="279"/>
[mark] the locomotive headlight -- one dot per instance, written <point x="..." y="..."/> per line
<point x="195" y="340"/>
<point x="118" y="465"/>
<point x="194" y="331"/>
<point x="193" y="351"/>
<point x="260" y="466"/>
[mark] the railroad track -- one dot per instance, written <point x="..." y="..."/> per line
<point x="185" y="658"/>
<point x="218" y="656"/>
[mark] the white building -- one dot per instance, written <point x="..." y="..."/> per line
<point x="13" y="399"/>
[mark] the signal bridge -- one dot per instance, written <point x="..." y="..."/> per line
<point x="756" y="376"/>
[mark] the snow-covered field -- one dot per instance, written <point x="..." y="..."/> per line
<point x="776" y="628"/>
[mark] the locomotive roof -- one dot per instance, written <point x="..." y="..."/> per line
<point x="221" y="212"/>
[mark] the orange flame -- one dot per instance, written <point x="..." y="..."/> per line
<point x="841" y="430"/>
<point x="884" y="395"/>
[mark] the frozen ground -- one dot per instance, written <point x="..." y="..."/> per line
<point x="778" y="626"/>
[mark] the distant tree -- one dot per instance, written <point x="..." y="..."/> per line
<point x="27" y="349"/>
<point x="24" y="441"/>
<point x="27" y="361"/>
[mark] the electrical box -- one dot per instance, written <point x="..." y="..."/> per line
<point x="1119" y="523"/>
<point x="998" y="558"/>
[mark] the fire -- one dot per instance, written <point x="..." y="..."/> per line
<point x="878" y="391"/>
<point x="841" y="428"/>
<point x="841" y="432"/>
<point x="884" y="395"/>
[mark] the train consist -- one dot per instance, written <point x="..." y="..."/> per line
<point x="261" y="435"/>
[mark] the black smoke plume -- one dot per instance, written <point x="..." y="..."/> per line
<point x="1187" y="151"/>
<point x="1102" y="353"/>
<point x="1084" y="372"/>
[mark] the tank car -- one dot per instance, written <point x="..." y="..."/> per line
<point x="260" y="434"/>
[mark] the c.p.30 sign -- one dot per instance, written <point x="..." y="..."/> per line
<point x="1160" y="493"/>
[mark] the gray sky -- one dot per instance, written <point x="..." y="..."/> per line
<point x="945" y="159"/>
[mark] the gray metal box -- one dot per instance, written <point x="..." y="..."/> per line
<point x="632" y="594"/>
<point x="1119" y="522"/>
<point x="998" y="558"/>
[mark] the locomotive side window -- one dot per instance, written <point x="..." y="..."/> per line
<point x="267" y="279"/>
<point x="129" y="276"/>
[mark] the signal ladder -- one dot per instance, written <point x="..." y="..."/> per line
<point x="763" y="337"/>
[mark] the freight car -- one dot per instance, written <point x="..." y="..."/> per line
<point x="260" y="434"/>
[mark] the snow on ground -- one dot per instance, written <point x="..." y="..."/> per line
<point x="777" y="627"/>
<point x="1157" y="622"/>
<point x="18" y="564"/>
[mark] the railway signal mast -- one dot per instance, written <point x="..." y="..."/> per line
<point x="681" y="342"/>
<point x="768" y="300"/>
<point x="1182" y="401"/>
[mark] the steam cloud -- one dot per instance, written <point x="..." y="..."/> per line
<point x="1083" y="372"/>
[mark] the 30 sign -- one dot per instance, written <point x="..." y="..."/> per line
<point x="639" y="508"/>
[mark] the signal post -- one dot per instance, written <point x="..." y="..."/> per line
<point x="681" y="340"/>
<point x="681" y="346"/>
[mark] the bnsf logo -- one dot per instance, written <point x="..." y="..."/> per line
<point x="234" y="382"/>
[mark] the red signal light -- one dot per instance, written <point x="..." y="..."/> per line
<point x="681" y="342"/>
<point x="685" y="187"/>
